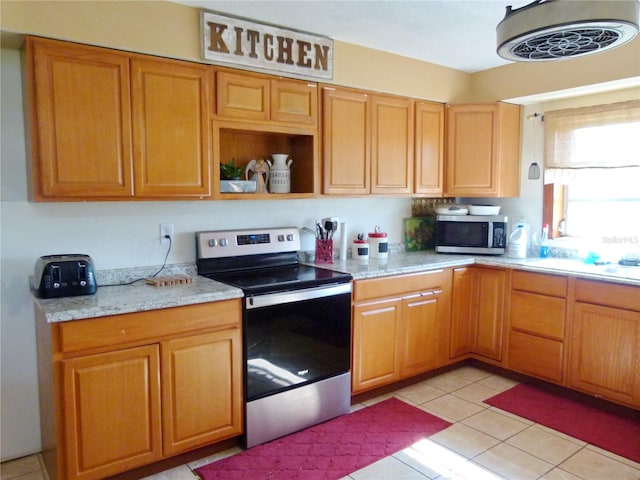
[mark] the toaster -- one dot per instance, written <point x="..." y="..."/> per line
<point x="64" y="276"/>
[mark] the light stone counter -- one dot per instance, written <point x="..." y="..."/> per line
<point x="407" y="262"/>
<point x="138" y="297"/>
<point x="114" y="300"/>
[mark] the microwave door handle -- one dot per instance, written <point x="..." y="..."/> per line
<point x="490" y="242"/>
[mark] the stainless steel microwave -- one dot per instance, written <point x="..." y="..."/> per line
<point x="475" y="234"/>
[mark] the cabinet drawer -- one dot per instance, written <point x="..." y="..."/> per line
<point x="138" y="327"/>
<point x="538" y="314"/>
<point x="539" y="283"/>
<point x="397" y="284"/>
<point x="536" y="356"/>
<point x="612" y="295"/>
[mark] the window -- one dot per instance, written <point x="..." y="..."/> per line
<point x="595" y="153"/>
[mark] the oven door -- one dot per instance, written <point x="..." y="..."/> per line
<point x="296" y="338"/>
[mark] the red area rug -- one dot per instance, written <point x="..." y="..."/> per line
<point x="333" y="449"/>
<point x="613" y="432"/>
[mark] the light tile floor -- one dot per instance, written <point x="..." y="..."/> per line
<point x="484" y="443"/>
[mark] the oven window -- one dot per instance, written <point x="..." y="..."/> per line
<point x="462" y="234"/>
<point x="296" y="343"/>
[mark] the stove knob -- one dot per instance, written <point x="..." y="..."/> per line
<point x="213" y="242"/>
<point x="224" y="242"/>
<point x="290" y="237"/>
<point x="281" y="238"/>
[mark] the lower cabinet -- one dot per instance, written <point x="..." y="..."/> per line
<point x="605" y="342"/>
<point x="112" y="411"/>
<point x="171" y="383"/>
<point x="537" y="325"/>
<point x="478" y="312"/>
<point x="400" y="327"/>
<point x="200" y="389"/>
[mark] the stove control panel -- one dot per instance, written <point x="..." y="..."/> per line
<point x="233" y="243"/>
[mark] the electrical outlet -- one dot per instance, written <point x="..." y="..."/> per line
<point x="166" y="229"/>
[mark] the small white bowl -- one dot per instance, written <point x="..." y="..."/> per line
<point x="484" y="209"/>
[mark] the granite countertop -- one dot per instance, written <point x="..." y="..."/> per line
<point x="407" y="262"/>
<point x="114" y="300"/>
<point x="138" y="297"/>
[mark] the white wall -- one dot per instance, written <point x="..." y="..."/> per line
<point x="116" y="235"/>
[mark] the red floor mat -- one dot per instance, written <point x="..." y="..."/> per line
<point x="616" y="433"/>
<point x="333" y="449"/>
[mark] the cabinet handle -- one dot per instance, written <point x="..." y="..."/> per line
<point x="431" y="292"/>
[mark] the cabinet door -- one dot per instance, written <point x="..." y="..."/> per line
<point x="171" y="129"/>
<point x="489" y="295"/>
<point x="81" y="121"/>
<point x="422" y="336"/>
<point x="346" y="147"/>
<point x="201" y="389"/>
<point x="111" y="412"/>
<point x="376" y="328"/>
<point x="294" y="101"/>
<point x="242" y="95"/>
<point x="429" y="148"/>
<point x="605" y="352"/>
<point x="471" y="150"/>
<point x="461" y="307"/>
<point x="391" y="144"/>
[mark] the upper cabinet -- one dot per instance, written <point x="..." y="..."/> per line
<point x="483" y="150"/>
<point x="429" y="149"/>
<point x="104" y="126"/>
<point x="80" y="121"/>
<point x="258" y="115"/>
<point x="368" y="142"/>
<point x="257" y="97"/>
<point x="111" y="125"/>
<point x="171" y="140"/>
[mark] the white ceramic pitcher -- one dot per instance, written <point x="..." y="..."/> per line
<point x="280" y="173"/>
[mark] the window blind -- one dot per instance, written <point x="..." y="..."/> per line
<point x="595" y="137"/>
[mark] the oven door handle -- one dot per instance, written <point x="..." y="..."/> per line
<point x="279" y="298"/>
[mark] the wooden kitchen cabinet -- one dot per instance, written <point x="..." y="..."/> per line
<point x="605" y="342"/>
<point x="346" y="149"/>
<point x="392" y="127"/>
<point x="368" y="142"/>
<point x="537" y="324"/>
<point x="400" y="327"/>
<point x="111" y="125"/>
<point x="171" y="135"/>
<point x="483" y="150"/>
<point x="478" y="309"/>
<point x="257" y="97"/>
<point x="122" y="391"/>
<point x="80" y="121"/>
<point x="429" y="149"/>
<point x="112" y="412"/>
<point x="461" y="340"/>
<point x="259" y="115"/>
<point x="488" y="315"/>
<point x="199" y="372"/>
<point x="376" y="328"/>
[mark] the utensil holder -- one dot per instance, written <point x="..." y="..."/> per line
<point x="324" y="250"/>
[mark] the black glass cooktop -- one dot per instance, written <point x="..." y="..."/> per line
<point x="292" y="277"/>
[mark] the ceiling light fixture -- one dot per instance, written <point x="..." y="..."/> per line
<point x="555" y="29"/>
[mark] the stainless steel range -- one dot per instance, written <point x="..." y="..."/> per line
<point x="296" y="329"/>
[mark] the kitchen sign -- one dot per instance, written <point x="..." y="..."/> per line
<point x="257" y="46"/>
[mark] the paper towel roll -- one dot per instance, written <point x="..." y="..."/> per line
<point x="343" y="241"/>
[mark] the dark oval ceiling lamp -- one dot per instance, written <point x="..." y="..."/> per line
<point x="557" y="29"/>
